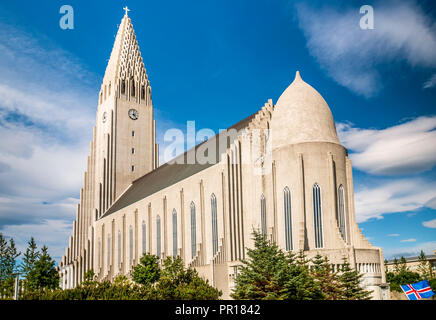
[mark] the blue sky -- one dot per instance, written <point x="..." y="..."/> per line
<point x="204" y="57"/>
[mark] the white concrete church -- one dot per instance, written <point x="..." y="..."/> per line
<point x="282" y="170"/>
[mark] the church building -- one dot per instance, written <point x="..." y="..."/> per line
<point x="282" y="171"/>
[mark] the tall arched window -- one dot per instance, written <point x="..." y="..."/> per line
<point x="341" y="207"/>
<point x="158" y="244"/>
<point x="119" y="249"/>
<point x="132" y="81"/>
<point x="131" y="245"/>
<point x="193" y="231"/>
<point x="317" y="216"/>
<point x="214" y="224"/>
<point x="123" y="86"/>
<point x="288" y="218"/>
<point x="99" y="253"/>
<point x="263" y="214"/>
<point x="108" y="250"/>
<point x="144" y="237"/>
<point x="174" y="233"/>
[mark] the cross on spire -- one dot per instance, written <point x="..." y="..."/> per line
<point x="126" y="9"/>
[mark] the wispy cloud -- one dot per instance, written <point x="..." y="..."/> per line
<point x="427" y="247"/>
<point x="430" y="224"/>
<point x="381" y="197"/>
<point x="394" y="235"/>
<point x="47" y="109"/>
<point x="406" y="148"/>
<point x="351" y="56"/>
<point x="408" y="240"/>
<point x="430" y="83"/>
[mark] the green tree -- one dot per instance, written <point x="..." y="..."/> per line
<point x="262" y="276"/>
<point x="8" y="266"/>
<point x="179" y="283"/>
<point x="402" y="265"/>
<point x="328" y="281"/>
<point x="424" y="268"/>
<point x="350" y="281"/>
<point x="89" y="277"/>
<point x="3" y="258"/>
<point x="44" y="274"/>
<point x="300" y="285"/>
<point x="30" y="257"/>
<point x="396" y="279"/>
<point x="147" y="271"/>
<point x="270" y="274"/>
<point x="396" y="265"/>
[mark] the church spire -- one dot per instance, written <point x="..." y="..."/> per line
<point x="126" y="63"/>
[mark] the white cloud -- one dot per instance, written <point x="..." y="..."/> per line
<point x="405" y="148"/>
<point x="394" y="235"/>
<point x="52" y="233"/>
<point x="427" y="247"/>
<point x="350" y="55"/>
<point x="430" y="83"/>
<point x="47" y="109"/>
<point x="431" y="203"/>
<point x="409" y="240"/>
<point x="381" y="197"/>
<point x="430" y="224"/>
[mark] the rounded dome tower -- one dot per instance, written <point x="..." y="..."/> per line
<point x="302" y="115"/>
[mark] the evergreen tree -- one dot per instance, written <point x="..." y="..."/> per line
<point x="300" y="284"/>
<point x="424" y="267"/>
<point x="396" y="266"/>
<point x="3" y="257"/>
<point x="402" y="265"/>
<point x="327" y="280"/>
<point x="179" y="283"/>
<point x="44" y="274"/>
<point x="147" y="271"/>
<point x="30" y="258"/>
<point x="270" y="274"/>
<point x="350" y="281"/>
<point x="260" y="277"/>
<point x="10" y="261"/>
<point x="8" y="266"/>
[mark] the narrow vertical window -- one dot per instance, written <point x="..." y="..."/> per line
<point x="133" y="87"/>
<point x="133" y="150"/>
<point x="131" y="245"/>
<point x="174" y="233"/>
<point x="123" y="86"/>
<point x="143" y="92"/>
<point x="158" y="244"/>
<point x="341" y="207"/>
<point x="99" y="253"/>
<point x="263" y="215"/>
<point x="108" y="251"/>
<point x="317" y="216"/>
<point x="144" y="237"/>
<point x="288" y="218"/>
<point x="133" y="168"/>
<point x="119" y="249"/>
<point x="193" y="231"/>
<point x="214" y="224"/>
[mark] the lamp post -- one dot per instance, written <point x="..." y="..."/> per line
<point x="17" y="285"/>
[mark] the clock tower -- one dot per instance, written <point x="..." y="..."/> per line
<point x="124" y="136"/>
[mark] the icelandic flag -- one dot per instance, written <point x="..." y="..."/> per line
<point x="417" y="290"/>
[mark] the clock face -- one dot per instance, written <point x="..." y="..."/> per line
<point x="133" y="114"/>
<point x="104" y="117"/>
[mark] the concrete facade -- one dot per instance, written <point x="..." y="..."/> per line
<point x="282" y="170"/>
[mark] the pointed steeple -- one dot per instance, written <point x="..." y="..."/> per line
<point x="126" y="62"/>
